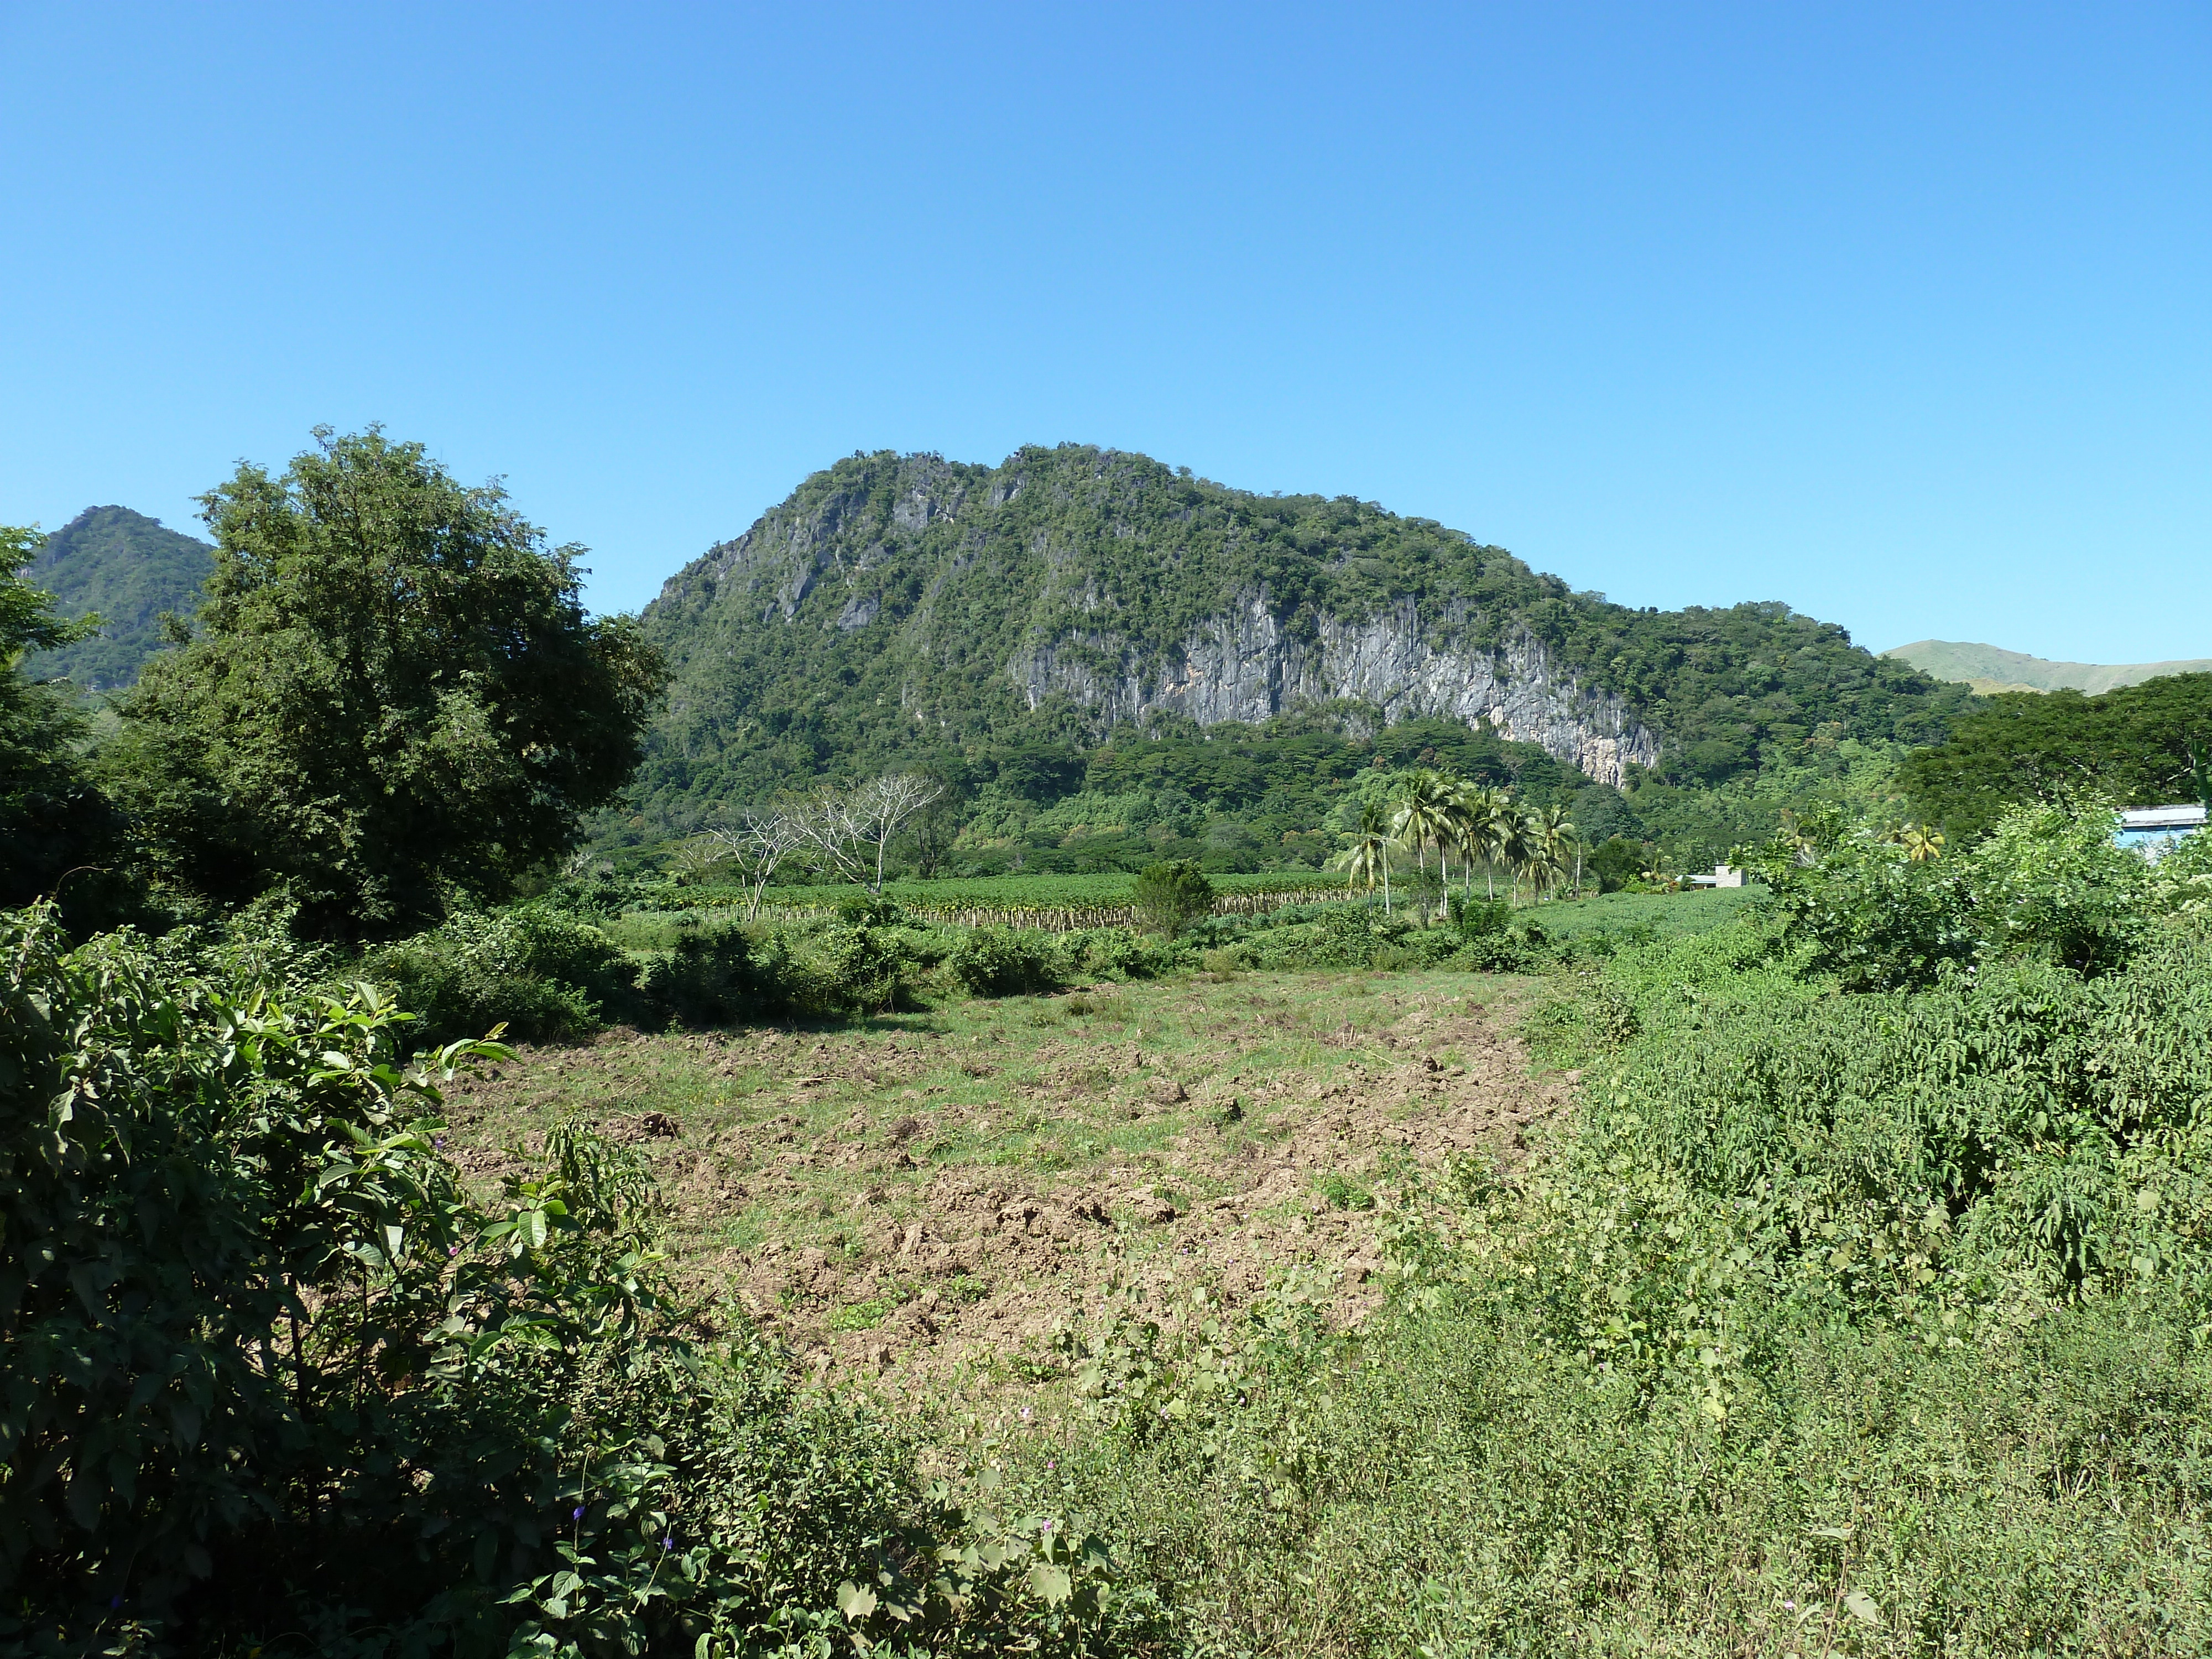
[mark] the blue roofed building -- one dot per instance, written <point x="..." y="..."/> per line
<point x="2153" y="830"/>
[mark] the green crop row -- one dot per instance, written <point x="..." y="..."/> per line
<point x="1055" y="903"/>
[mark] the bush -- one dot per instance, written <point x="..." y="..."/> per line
<point x="711" y="976"/>
<point x="2047" y="882"/>
<point x="544" y="974"/>
<point x="1122" y="953"/>
<point x="1169" y="897"/>
<point x="1472" y="918"/>
<point x="1004" y="962"/>
<point x="850" y="971"/>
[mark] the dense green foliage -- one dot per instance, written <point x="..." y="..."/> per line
<point x="127" y="569"/>
<point x="883" y="616"/>
<point x="2048" y="882"/>
<point x="2134" y="744"/>
<point x="393" y="691"/>
<point x="1022" y="900"/>
<point x="270" y="1382"/>
<point x="1168" y="897"/>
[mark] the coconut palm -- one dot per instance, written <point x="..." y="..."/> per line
<point x="1921" y="845"/>
<point x="1490" y="833"/>
<point x="1554" y="836"/>
<point x="1423" y="816"/>
<point x="1366" y="854"/>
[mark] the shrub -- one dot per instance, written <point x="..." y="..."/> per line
<point x="1122" y="953"/>
<point x="1169" y="897"/>
<point x="1472" y="918"/>
<point x="850" y="971"/>
<point x="711" y="976"/>
<point x="1004" y="962"/>
<point x="545" y="975"/>
<point x="2047" y="882"/>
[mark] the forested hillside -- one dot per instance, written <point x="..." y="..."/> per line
<point x="126" y="569"/>
<point x="909" y="610"/>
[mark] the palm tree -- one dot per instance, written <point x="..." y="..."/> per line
<point x="1554" y="833"/>
<point x="1513" y="845"/>
<point x="1921" y="845"/>
<point x="1423" y="816"/>
<point x="1460" y="800"/>
<point x="1492" y="833"/>
<point x="1367" y="854"/>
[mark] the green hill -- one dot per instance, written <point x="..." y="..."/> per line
<point x="1988" y="670"/>
<point x="904" y="610"/>
<point x="128" y="568"/>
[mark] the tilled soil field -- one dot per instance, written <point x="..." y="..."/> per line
<point x="922" y="1197"/>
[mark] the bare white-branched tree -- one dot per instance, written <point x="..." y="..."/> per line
<point x="852" y="831"/>
<point x="764" y="838"/>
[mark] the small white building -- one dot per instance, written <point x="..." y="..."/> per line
<point x="1723" y="876"/>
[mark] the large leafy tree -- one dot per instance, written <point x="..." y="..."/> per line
<point x="392" y="694"/>
<point x="2140" y="744"/>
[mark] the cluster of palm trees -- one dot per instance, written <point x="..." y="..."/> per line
<point x="1465" y="821"/>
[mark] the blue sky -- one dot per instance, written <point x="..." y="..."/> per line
<point x="1901" y="314"/>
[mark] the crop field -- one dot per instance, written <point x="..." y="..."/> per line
<point x="1668" y="915"/>
<point x="1056" y="903"/>
<point x="925" y="1196"/>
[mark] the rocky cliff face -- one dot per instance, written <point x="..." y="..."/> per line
<point x="1246" y="665"/>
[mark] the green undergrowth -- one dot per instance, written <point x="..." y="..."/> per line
<point x="549" y="973"/>
<point x="272" y="1382"/>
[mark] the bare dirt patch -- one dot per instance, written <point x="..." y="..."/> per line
<point x="929" y="1194"/>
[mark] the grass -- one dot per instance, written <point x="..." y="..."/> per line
<point x="1669" y="915"/>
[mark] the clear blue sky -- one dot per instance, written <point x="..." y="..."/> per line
<point x="1901" y="314"/>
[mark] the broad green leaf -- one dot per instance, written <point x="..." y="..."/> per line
<point x="1864" y="1608"/>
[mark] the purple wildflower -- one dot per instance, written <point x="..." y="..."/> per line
<point x="576" y="1514"/>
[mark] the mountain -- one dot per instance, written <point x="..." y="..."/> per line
<point x="906" y="609"/>
<point x="128" y="568"/>
<point x="1988" y="670"/>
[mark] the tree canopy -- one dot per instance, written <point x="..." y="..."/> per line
<point x="393" y="693"/>
<point x="2133" y="744"/>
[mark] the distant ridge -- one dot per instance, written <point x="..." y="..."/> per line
<point x="128" y="568"/>
<point x="1989" y="670"/>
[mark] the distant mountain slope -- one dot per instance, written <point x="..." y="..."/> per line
<point x="1989" y="670"/>
<point x="896" y="607"/>
<point x="129" y="568"/>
